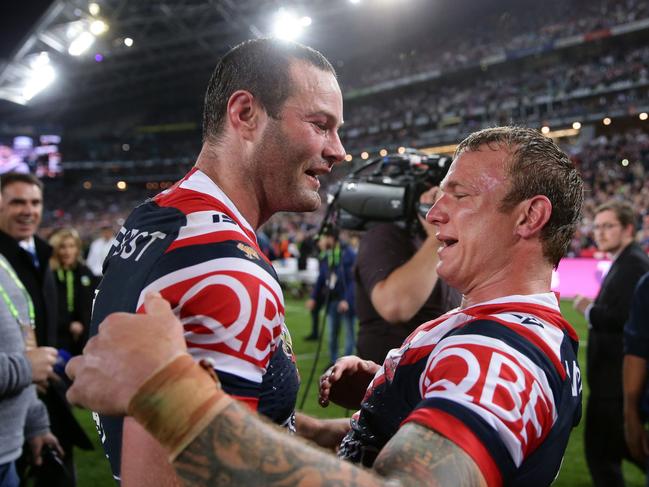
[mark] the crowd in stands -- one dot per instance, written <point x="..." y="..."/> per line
<point x="495" y="34"/>
<point x="600" y="83"/>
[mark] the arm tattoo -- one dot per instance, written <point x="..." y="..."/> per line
<point x="418" y="456"/>
<point x="240" y="449"/>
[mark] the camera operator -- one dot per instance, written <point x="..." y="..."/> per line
<point x="397" y="287"/>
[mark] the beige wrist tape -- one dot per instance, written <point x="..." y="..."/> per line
<point x="178" y="402"/>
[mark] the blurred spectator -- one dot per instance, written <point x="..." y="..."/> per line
<point x="20" y="216"/>
<point x="76" y="287"/>
<point x="636" y="355"/>
<point x="99" y="249"/>
<point x="604" y="433"/>
<point x="23" y="417"/>
<point x="335" y="283"/>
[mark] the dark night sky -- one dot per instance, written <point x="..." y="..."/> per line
<point x="16" y="21"/>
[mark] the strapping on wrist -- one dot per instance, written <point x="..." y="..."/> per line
<point x="178" y="402"/>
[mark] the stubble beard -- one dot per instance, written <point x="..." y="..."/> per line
<point x="284" y="194"/>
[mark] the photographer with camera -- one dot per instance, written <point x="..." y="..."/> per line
<point x="397" y="287"/>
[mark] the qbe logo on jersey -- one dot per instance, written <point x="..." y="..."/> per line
<point x="500" y="384"/>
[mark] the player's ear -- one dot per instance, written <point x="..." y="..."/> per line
<point x="244" y="113"/>
<point x="534" y="214"/>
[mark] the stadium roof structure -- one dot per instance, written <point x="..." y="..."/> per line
<point x="175" y="45"/>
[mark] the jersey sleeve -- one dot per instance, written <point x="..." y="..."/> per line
<point x="230" y="306"/>
<point x="492" y="393"/>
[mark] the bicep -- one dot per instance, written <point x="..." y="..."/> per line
<point x="144" y="461"/>
<point x="417" y="455"/>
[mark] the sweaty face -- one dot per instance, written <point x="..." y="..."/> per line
<point x="302" y="144"/>
<point x="609" y="233"/>
<point x="475" y="234"/>
<point x="67" y="252"/>
<point x="21" y="210"/>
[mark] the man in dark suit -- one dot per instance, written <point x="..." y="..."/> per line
<point x="20" y="215"/>
<point x="614" y="230"/>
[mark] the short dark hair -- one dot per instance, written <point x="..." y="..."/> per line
<point x="10" y="178"/>
<point x="260" y="66"/>
<point x="623" y="211"/>
<point x="536" y="166"/>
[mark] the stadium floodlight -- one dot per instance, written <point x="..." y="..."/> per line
<point x="128" y="42"/>
<point x="289" y="26"/>
<point x="643" y="116"/>
<point x="81" y="43"/>
<point x="41" y="75"/>
<point x="576" y="125"/>
<point x="93" y="8"/>
<point x="98" y="27"/>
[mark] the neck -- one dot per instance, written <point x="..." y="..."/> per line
<point x="231" y="175"/>
<point x="535" y="280"/>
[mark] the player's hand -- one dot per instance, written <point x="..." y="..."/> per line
<point x="636" y="438"/>
<point x="42" y="360"/>
<point x="128" y="349"/>
<point x="345" y="382"/>
<point x="343" y="306"/>
<point x="310" y="304"/>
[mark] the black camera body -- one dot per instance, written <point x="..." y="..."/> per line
<point x="387" y="189"/>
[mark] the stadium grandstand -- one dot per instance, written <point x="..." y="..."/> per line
<point x="103" y="99"/>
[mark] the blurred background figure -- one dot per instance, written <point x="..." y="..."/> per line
<point x="636" y="357"/>
<point x="99" y="249"/>
<point x="335" y="289"/>
<point x="75" y="287"/>
<point x="614" y="230"/>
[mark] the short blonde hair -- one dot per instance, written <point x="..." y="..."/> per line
<point x="57" y="239"/>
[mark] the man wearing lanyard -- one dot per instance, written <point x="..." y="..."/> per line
<point x="20" y="215"/>
<point x="22" y="415"/>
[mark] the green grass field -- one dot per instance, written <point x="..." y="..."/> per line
<point x="92" y="467"/>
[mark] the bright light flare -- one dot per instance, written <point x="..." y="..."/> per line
<point x="98" y="27"/>
<point x="81" y="44"/>
<point x="289" y="26"/>
<point x="576" y="125"/>
<point x="128" y="42"/>
<point x="42" y="74"/>
<point x="94" y="8"/>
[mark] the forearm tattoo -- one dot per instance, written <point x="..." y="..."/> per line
<point x="419" y="456"/>
<point x="239" y="449"/>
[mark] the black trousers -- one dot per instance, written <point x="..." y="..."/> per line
<point x="604" y="441"/>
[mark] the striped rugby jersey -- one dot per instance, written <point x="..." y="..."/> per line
<point x="499" y="379"/>
<point x="192" y="245"/>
